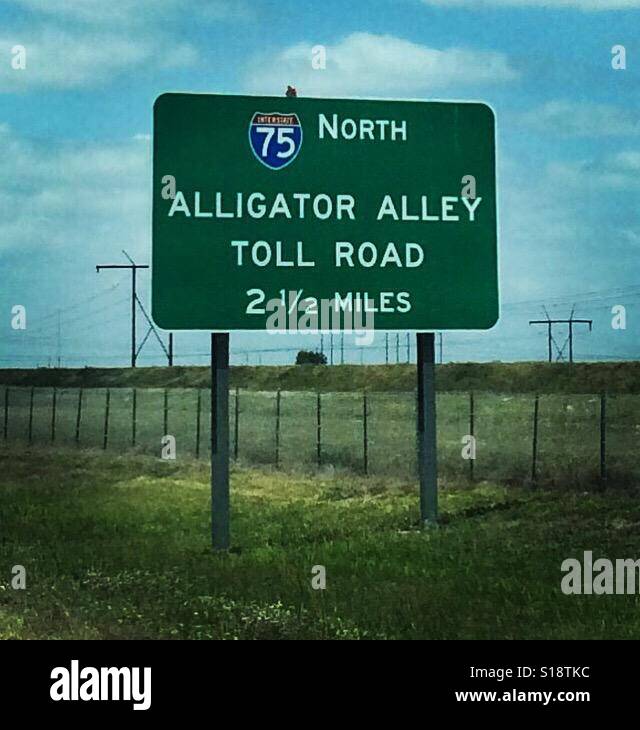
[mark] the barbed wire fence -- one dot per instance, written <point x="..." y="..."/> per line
<point x="550" y="439"/>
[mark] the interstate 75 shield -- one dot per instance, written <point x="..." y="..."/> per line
<point x="275" y="138"/>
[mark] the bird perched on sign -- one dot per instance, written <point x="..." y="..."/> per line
<point x="291" y="91"/>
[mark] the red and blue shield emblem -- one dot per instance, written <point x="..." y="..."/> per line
<point x="275" y="138"/>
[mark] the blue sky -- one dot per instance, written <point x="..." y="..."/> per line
<point x="75" y="149"/>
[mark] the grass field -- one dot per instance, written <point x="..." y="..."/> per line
<point x="490" y="377"/>
<point x="118" y="547"/>
<point x="568" y="449"/>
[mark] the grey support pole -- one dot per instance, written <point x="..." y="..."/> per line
<point x="220" y="440"/>
<point x="427" y="464"/>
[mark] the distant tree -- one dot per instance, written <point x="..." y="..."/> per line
<point x="308" y="357"/>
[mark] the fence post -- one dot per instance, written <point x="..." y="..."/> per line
<point x="106" y="419"/>
<point x="166" y="413"/>
<point x="134" y="416"/>
<point x="31" y="414"/>
<point x="236" y="427"/>
<point x="534" y="455"/>
<point x="6" y="412"/>
<point x="472" y="426"/>
<point x="278" y="429"/>
<point x="53" y="415"/>
<point x="198" y="423"/>
<point x="79" y="416"/>
<point x="318" y="430"/>
<point x="365" y="439"/>
<point x="603" y="438"/>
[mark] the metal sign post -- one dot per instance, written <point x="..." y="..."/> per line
<point x="427" y="451"/>
<point x="220" y="440"/>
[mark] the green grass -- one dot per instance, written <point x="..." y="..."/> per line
<point x="493" y="377"/>
<point x="119" y="547"/>
<point x="568" y="448"/>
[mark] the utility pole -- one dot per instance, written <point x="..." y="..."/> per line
<point x="133" y="267"/>
<point x="440" y="347"/>
<point x="550" y="339"/>
<point x="571" y="322"/>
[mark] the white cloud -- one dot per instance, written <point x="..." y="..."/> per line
<point x="63" y="59"/>
<point x="79" y="43"/>
<point x="364" y="63"/>
<point x="118" y="12"/>
<point x="586" y="5"/>
<point x="630" y="236"/>
<point x="618" y="171"/>
<point x="628" y="160"/>
<point x="582" y="119"/>
<point x="564" y="224"/>
<point x="94" y="11"/>
<point x="78" y="199"/>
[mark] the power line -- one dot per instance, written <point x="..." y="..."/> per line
<point x="579" y="298"/>
<point x="76" y="318"/>
<point x="82" y="302"/>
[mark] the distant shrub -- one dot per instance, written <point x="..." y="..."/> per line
<point x="308" y="357"/>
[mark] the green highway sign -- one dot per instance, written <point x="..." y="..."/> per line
<point x="389" y="206"/>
